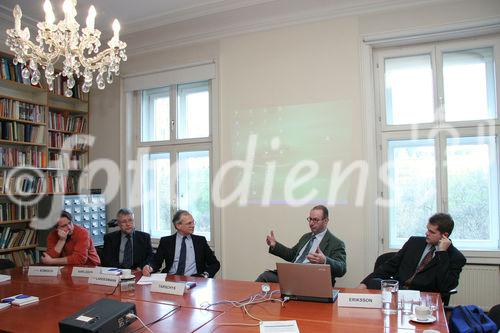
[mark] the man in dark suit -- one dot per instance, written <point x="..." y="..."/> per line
<point x="183" y="252"/>
<point x="319" y="246"/>
<point x="127" y="247"/>
<point x="429" y="263"/>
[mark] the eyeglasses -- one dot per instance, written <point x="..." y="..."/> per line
<point x="315" y="220"/>
<point x="126" y="222"/>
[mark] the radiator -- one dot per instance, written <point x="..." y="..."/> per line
<point x="479" y="285"/>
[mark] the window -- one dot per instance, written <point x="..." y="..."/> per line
<point x="175" y="152"/>
<point x="438" y="133"/>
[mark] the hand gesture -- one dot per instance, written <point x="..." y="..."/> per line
<point x="317" y="257"/>
<point x="46" y="259"/>
<point x="271" y="240"/>
<point x="62" y="234"/>
<point x="146" y="270"/>
<point x="443" y="244"/>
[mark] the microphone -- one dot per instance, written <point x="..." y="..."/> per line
<point x="113" y="223"/>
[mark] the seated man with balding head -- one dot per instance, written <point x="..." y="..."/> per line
<point x="183" y="252"/>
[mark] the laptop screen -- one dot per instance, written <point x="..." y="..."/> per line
<point x="306" y="282"/>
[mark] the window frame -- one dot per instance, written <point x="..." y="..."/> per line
<point x="439" y="129"/>
<point x="173" y="147"/>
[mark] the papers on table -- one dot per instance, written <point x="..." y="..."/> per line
<point x="279" y="326"/>
<point x="153" y="277"/>
<point x="20" y="299"/>
<point x="4" y="277"/>
<point x="413" y="295"/>
<point x="111" y="270"/>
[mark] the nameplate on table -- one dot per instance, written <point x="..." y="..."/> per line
<point x="104" y="279"/>
<point x="359" y="300"/>
<point x="83" y="271"/>
<point x="167" y="287"/>
<point x="43" y="270"/>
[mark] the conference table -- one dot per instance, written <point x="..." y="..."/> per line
<point x="203" y="308"/>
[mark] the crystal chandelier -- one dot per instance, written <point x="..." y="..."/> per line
<point x="63" y="40"/>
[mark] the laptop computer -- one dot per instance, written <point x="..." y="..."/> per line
<point x="306" y="282"/>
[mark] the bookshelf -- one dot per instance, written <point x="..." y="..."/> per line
<point x="34" y="161"/>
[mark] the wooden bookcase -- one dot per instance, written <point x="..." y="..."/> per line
<point x="33" y="161"/>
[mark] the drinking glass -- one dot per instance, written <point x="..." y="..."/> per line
<point x="431" y="302"/>
<point x="407" y="304"/>
<point x="389" y="296"/>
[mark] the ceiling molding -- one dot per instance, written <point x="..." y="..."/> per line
<point x="220" y="25"/>
<point x="225" y="18"/>
<point x="188" y="14"/>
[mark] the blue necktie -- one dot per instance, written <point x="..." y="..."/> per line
<point x="127" y="254"/>
<point x="306" y="250"/>
<point x="182" y="258"/>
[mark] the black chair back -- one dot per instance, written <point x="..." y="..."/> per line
<point x="383" y="258"/>
<point x="494" y="314"/>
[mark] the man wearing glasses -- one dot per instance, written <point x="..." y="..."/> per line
<point x="319" y="246"/>
<point x="127" y="247"/>
<point x="70" y="244"/>
<point x="183" y="252"/>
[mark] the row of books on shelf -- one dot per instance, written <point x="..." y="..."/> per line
<point x="73" y="141"/>
<point x="28" y="184"/>
<point x="61" y="84"/>
<point x="62" y="183"/>
<point x="67" y="161"/>
<point x="11" y="157"/>
<point x="20" y="184"/>
<point x="12" y="212"/>
<point x="76" y="124"/>
<point x="21" y="132"/>
<point x="9" y="71"/>
<point x="18" y="110"/>
<point x="11" y="236"/>
<point x="21" y="257"/>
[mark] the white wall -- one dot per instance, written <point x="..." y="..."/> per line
<point x="298" y="65"/>
<point x="307" y="63"/>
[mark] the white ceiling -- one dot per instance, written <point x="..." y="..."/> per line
<point x="191" y="21"/>
<point x="132" y="14"/>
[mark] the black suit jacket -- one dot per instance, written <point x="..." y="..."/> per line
<point x="440" y="275"/>
<point x="204" y="256"/>
<point x="143" y="251"/>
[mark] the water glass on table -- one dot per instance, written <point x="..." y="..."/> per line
<point x="406" y="304"/>
<point x="389" y="296"/>
<point x="431" y="302"/>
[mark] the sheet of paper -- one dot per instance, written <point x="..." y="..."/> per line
<point x="279" y="326"/>
<point x="4" y="277"/>
<point x="153" y="277"/>
<point x="414" y="295"/>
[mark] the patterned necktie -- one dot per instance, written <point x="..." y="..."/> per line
<point x="127" y="253"/>
<point x="182" y="258"/>
<point x="306" y="250"/>
<point x="427" y="259"/>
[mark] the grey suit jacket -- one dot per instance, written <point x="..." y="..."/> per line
<point x="331" y="246"/>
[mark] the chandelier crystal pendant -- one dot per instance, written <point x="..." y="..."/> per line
<point x="62" y="41"/>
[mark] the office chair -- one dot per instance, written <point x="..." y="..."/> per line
<point x="494" y="314"/>
<point x="383" y="258"/>
<point x="445" y="296"/>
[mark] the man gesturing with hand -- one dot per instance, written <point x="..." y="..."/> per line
<point x="319" y="246"/>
